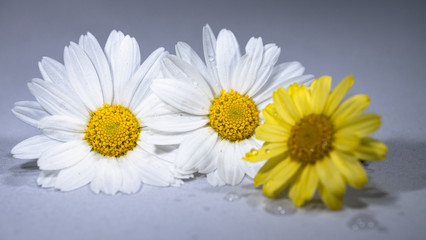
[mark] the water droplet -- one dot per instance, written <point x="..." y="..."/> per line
<point x="211" y="58"/>
<point x="362" y="222"/>
<point x="232" y="197"/>
<point x="281" y="207"/>
<point x="254" y="152"/>
<point x="267" y="151"/>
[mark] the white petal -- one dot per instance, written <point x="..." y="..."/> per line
<point x="249" y="168"/>
<point x="152" y="106"/>
<point x="62" y="128"/>
<point x="156" y="172"/>
<point x="47" y="179"/>
<point x="166" y="152"/>
<point x="62" y="123"/>
<point x="227" y="56"/>
<point x="270" y="57"/>
<point x="63" y="155"/>
<point x="91" y="46"/>
<point x="124" y="64"/>
<point x="163" y="138"/>
<point x="110" y="176"/>
<point x="187" y="54"/>
<point x="287" y="70"/>
<point x="176" y="122"/>
<point x="209" y="46"/>
<point x="214" y="179"/>
<point x="153" y="170"/>
<point x="78" y="175"/>
<point x="107" y="177"/>
<point x="33" y="147"/>
<point x="29" y="112"/>
<point x="53" y="71"/>
<point x="209" y="162"/>
<point x="148" y="71"/>
<point x="245" y="74"/>
<point x="83" y="77"/>
<point x="131" y="179"/>
<point x="57" y="100"/>
<point x="227" y="166"/>
<point x="180" y="70"/>
<point x="182" y="96"/>
<point x="195" y="149"/>
<point x="265" y="93"/>
<point x="113" y="44"/>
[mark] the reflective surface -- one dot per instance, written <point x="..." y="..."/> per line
<point x="382" y="44"/>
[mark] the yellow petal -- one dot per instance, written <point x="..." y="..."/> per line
<point x="285" y="106"/>
<point x="281" y="179"/>
<point x="271" y="115"/>
<point x="302" y="99"/>
<point x="268" y="150"/>
<point x="337" y="95"/>
<point x="320" y="89"/>
<point x="371" y="149"/>
<point x="333" y="201"/>
<point x="304" y="186"/>
<point x="362" y="126"/>
<point x="352" y="107"/>
<point x="271" y="167"/>
<point x="345" y="141"/>
<point x="350" y="168"/>
<point x="272" y="133"/>
<point x="329" y="176"/>
<point x="311" y="181"/>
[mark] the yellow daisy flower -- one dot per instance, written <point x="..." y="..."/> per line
<point x="312" y="141"/>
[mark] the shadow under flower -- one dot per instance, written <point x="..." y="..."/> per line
<point x="23" y="174"/>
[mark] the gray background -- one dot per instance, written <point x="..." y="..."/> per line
<point x="381" y="42"/>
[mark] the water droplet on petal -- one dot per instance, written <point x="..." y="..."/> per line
<point x="232" y="197"/>
<point x="254" y="152"/>
<point x="267" y="151"/>
<point x="211" y="58"/>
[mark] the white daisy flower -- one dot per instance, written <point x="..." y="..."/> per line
<point x="91" y="113"/>
<point x="216" y="107"/>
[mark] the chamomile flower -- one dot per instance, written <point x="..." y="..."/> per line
<point x="312" y="141"/>
<point x="215" y="106"/>
<point x="91" y="113"/>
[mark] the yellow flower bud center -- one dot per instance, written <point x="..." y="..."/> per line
<point x="311" y="138"/>
<point x="233" y="116"/>
<point x="112" y="130"/>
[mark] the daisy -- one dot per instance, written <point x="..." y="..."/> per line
<point x="215" y="106"/>
<point x="312" y="141"/>
<point x="91" y="113"/>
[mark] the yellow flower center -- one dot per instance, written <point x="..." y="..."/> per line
<point x="233" y="116"/>
<point x="112" y="130"/>
<point x="311" y="138"/>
